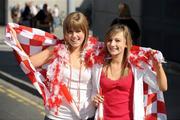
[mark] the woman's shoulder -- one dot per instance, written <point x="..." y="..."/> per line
<point x="91" y="51"/>
<point x="140" y="54"/>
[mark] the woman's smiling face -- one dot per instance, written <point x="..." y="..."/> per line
<point x="116" y="44"/>
<point x="75" y="38"/>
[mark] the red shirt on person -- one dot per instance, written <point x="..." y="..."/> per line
<point x="118" y="97"/>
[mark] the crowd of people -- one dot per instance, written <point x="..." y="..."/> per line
<point x="31" y="15"/>
<point x="87" y="79"/>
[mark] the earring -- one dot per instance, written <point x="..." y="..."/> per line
<point x="66" y="45"/>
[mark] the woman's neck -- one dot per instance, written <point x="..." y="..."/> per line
<point x="117" y="60"/>
<point x="75" y="58"/>
<point x="75" y="52"/>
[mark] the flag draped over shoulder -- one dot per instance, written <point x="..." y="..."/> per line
<point x="149" y="104"/>
<point x="33" y="41"/>
<point x="154" y="105"/>
<point x="47" y="78"/>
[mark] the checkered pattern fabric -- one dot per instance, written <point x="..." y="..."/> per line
<point x="34" y="40"/>
<point x="154" y="104"/>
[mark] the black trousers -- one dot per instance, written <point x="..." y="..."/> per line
<point x="46" y="118"/>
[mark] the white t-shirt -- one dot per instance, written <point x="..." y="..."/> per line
<point x="87" y="109"/>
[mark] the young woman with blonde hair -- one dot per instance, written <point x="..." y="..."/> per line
<point x="124" y="74"/>
<point x="68" y="87"/>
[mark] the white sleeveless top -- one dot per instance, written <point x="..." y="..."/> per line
<point x="86" y="108"/>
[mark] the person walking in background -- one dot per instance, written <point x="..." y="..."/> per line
<point x="15" y="13"/>
<point x="26" y="16"/>
<point x="44" y="19"/>
<point x="33" y="8"/>
<point x="127" y="71"/>
<point x="56" y="17"/>
<point x="126" y="19"/>
<point x="68" y="89"/>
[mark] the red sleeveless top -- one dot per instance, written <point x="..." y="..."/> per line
<point x="118" y="97"/>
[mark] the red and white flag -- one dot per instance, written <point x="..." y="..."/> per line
<point x="32" y="41"/>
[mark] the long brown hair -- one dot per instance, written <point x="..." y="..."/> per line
<point x="76" y="21"/>
<point x="113" y="31"/>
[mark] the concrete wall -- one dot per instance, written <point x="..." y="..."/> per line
<point x="104" y="11"/>
<point x="158" y="20"/>
<point x="161" y="26"/>
<point x="3" y="12"/>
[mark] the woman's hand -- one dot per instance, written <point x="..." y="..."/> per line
<point x="97" y="99"/>
<point x="14" y="36"/>
<point x="161" y="75"/>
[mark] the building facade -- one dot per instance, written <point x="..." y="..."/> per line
<point x="3" y="12"/>
<point x="158" y="20"/>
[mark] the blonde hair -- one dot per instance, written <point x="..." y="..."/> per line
<point x="113" y="31"/>
<point x="76" y="21"/>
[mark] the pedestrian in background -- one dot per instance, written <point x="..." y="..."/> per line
<point x="15" y="13"/>
<point x="44" y="19"/>
<point x="56" y="17"/>
<point x="26" y="16"/>
<point x="126" y="19"/>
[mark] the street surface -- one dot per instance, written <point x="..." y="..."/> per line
<point x="17" y="104"/>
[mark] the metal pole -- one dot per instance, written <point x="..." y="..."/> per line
<point x="3" y="12"/>
<point x="6" y="11"/>
<point x="70" y="6"/>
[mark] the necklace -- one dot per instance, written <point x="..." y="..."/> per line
<point x="78" y="83"/>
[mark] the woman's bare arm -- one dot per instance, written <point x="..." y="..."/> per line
<point x="161" y="76"/>
<point x="43" y="57"/>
